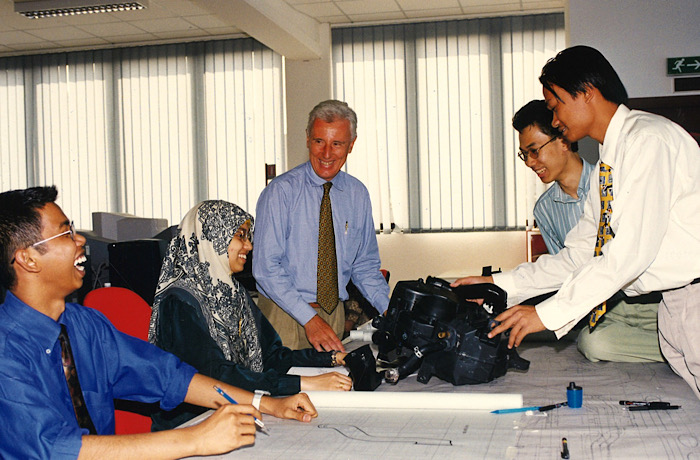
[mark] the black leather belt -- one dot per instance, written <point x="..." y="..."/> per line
<point x="695" y="281"/>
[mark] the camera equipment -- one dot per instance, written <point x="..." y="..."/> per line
<point x="435" y="329"/>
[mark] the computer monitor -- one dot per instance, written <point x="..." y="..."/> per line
<point x="136" y="264"/>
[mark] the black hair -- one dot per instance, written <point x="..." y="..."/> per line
<point x="20" y="225"/>
<point x="580" y="67"/>
<point x="536" y="113"/>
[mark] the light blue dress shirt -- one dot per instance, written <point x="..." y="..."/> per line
<point x="38" y="420"/>
<point x="286" y="241"/>
<point x="556" y="213"/>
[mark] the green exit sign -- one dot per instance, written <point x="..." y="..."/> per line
<point x="683" y="65"/>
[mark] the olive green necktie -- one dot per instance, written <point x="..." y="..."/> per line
<point x="605" y="233"/>
<point x="327" y="272"/>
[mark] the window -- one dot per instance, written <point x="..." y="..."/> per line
<point x="149" y="131"/>
<point x="434" y="101"/>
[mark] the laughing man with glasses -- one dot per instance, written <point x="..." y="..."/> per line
<point x="554" y="161"/>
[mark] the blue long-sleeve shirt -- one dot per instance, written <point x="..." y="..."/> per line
<point x="38" y="420"/>
<point x="286" y="241"/>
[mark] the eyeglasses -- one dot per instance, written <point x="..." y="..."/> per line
<point x="524" y="154"/>
<point x="244" y="234"/>
<point x="70" y="231"/>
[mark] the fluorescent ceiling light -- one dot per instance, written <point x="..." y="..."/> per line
<point x="35" y="9"/>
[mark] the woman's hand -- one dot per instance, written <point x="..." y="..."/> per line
<point x="340" y="358"/>
<point x="296" y="407"/>
<point x="332" y="381"/>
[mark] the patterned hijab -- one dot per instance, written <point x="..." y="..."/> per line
<point x="197" y="262"/>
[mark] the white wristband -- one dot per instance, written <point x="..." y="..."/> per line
<point x="258" y="396"/>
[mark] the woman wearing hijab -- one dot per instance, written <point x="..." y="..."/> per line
<point x="206" y="318"/>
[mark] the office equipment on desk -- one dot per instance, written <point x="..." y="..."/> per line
<point x="530" y="408"/>
<point x="136" y="265"/>
<point x="564" y="448"/>
<point x="228" y="398"/>
<point x="648" y="405"/>
<point x="574" y="395"/>
<point x="515" y="409"/>
<point x="413" y="400"/>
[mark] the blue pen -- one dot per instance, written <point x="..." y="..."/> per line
<point x="258" y="422"/>
<point x="517" y="409"/>
<point x="525" y="409"/>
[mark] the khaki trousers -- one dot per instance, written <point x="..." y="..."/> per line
<point x="627" y="333"/>
<point x="679" y="323"/>
<point x="292" y="333"/>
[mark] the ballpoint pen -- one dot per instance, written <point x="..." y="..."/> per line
<point x="228" y="398"/>
<point x="532" y="408"/>
<point x="653" y="406"/>
<point x="648" y="405"/>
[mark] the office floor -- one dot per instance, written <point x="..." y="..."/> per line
<point x="600" y="429"/>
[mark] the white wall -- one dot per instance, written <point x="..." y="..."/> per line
<point x="307" y="84"/>
<point x="637" y="36"/>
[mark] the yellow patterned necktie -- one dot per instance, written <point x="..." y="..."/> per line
<point x="327" y="272"/>
<point x="605" y="233"/>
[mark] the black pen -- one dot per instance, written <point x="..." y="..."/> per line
<point x="642" y="403"/>
<point x="653" y="406"/>
<point x="564" y="448"/>
<point x="552" y="406"/>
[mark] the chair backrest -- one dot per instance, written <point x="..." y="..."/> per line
<point x="124" y="308"/>
<point x="130" y="314"/>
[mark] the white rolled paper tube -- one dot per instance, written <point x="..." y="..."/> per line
<point x="361" y="336"/>
<point x="413" y="400"/>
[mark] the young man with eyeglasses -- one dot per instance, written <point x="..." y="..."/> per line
<point x="555" y="161"/>
<point x="62" y="364"/>
<point x="628" y="332"/>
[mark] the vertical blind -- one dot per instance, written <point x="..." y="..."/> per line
<point x="434" y="101"/>
<point x="148" y="131"/>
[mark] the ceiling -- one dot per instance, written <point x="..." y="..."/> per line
<point x="290" y="27"/>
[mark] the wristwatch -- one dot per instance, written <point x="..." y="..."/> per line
<point x="258" y="396"/>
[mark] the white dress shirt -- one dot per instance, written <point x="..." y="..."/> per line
<point x="655" y="219"/>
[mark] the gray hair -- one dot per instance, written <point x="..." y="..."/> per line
<point x="330" y="111"/>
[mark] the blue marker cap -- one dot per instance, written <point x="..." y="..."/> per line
<point x="574" y="396"/>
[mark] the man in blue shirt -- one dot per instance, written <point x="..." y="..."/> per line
<point x="554" y="161"/>
<point x="41" y="260"/>
<point x="287" y="231"/>
<point x="628" y="332"/>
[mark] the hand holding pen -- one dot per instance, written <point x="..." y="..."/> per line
<point x="228" y="398"/>
<point x="228" y="428"/>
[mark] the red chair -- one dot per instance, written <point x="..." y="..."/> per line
<point x="130" y="314"/>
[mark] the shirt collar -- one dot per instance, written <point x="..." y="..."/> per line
<point x="561" y="197"/>
<point x="582" y="190"/>
<point x="42" y="329"/>
<point x="338" y="181"/>
<point x="608" y="150"/>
